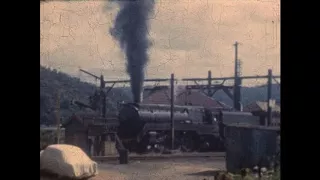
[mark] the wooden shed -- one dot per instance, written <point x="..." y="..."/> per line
<point x="248" y="146"/>
<point x="259" y="108"/>
<point x="88" y="131"/>
<point x="76" y="132"/>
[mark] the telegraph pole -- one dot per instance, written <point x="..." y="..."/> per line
<point x="237" y="81"/>
<point x="172" y="109"/>
<point x="58" y="116"/>
<point x="209" y="83"/>
<point x="236" y="59"/>
<point x="270" y="102"/>
<point x="103" y="96"/>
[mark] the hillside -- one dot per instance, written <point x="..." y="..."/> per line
<point x="70" y="89"/>
<point x="251" y="94"/>
<point x="73" y="89"/>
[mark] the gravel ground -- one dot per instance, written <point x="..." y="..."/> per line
<point x="182" y="169"/>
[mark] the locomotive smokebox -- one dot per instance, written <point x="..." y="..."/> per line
<point x="129" y="119"/>
<point x="129" y="111"/>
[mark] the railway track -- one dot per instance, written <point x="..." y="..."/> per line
<point x="161" y="156"/>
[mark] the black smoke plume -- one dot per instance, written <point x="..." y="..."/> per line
<point x="131" y="30"/>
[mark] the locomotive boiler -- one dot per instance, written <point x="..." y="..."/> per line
<point x="145" y="129"/>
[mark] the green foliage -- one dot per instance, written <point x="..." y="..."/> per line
<point x="267" y="176"/>
<point x="273" y="176"/>
<point x="248" y="174"/>
<point x="70" y="89"/>
<point x="48" y="137"/>
<point x="276" y="175"/>
<point x="250" y="94"/>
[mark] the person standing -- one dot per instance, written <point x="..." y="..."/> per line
<point x="89" y="147"/>
<point x="102" y="145"/>
<point x="96" y="146"/>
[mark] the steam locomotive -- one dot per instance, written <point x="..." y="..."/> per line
<point x="144" y="128"/>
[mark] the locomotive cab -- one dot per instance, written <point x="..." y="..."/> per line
<point x="208" y="117"/>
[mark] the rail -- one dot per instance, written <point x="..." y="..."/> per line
<point x="162" y="156"/>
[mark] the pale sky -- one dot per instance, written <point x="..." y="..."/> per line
<point x="189" y="38"/>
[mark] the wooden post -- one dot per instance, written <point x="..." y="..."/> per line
<point x="96" y="146"/>
<point x="270" y="102"/>
<point x="103" y="145"/>
<point x="209" y="83"/>
<point x="103" y="96"/>
<point x="58" y="116"/>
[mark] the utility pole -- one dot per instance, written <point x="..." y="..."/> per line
<point x="103" y="96"/>
<point x="209" y="83"/>
<point x="58" y="116"/>
<point x="236" y="44"/>
<point x="237" y="81"/>
<point x="270" y="101"/>
<point x="172" y="109"/>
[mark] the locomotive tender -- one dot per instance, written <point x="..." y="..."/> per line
<point x="147" y="128"/>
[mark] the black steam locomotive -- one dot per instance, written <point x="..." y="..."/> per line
<point x="146" y="128"/>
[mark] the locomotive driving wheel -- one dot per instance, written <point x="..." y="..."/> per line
<point x="159" y="148"/>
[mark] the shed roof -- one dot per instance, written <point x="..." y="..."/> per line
<point x="184" y="97"/>
<point x="82" y="117"/>
<point x="89" y="118"/>
<point x="261" y="106"/>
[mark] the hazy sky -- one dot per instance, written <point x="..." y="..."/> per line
<point x="189" y="37"/>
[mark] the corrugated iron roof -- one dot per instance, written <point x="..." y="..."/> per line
<point x="74" y="117"/>
<point x="183" y="97"/>
<point x="84" y="117"/>
<point x="90" y="117"/>
<point x="261" y="106"/>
